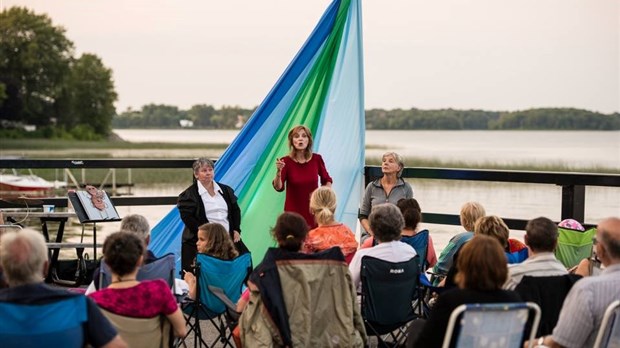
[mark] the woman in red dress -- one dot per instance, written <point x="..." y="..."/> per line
<point x="299" y="173"/>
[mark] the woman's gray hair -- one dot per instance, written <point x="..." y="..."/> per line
<point x="386" y="222"/>
<point x="398" y="159"/>
<point x="22" y="255"/>
<point x="200" y="162"/>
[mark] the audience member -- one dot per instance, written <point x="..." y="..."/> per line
<point x="133" y="223"/>
<point x="329" y="233"/>
<point x="386" y="222"/>
<point x="583" y="308"/>
<point x="482" y="271"/>
<point x="213" y="240"/>
<point x="206" y="200"/>
<point x="123" y="252"/>
<point x="412" y="213"/>
<point x="23" y="256"/>
<point x="541" y="236"/>
<point x="470" y="212"/>
<point x="390" y="188"/>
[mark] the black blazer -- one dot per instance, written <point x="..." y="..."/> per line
<point x="193" y="211"/>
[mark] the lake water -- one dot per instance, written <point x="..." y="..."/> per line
<point x="523" y="201"/>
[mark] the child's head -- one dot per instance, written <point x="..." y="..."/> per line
<point x="290" y="231"/>
<point x="214" y="240"/>
<point x="323" y="205"/>
<point x="470" y="212"/>
<point x="493" y="226"/>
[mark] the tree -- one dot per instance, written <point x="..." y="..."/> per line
<point x="34" y="61"/>
<point x="88" y="96"/>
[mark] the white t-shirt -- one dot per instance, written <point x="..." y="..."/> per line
<point x="394" y="251"/>
<point x="215" y="206"/>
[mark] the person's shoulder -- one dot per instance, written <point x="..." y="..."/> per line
<point x="189" y="190"/>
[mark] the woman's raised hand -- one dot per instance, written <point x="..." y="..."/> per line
<point x="279" y="164"/>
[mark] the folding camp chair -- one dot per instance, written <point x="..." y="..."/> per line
<point x="141" y="332"/>
<point x="549" y="294"/>
<point x="55" y="324"/>
<point x="517" y="256"/>
<point x="574" y="246"/>
<point x="419" y="242"/>
<point x="491" y="325"/>
<point x="228" y="275"/>
<point x="389" y="290"/>
<point x="161" y="268"/>
<point x="609" y="332"/>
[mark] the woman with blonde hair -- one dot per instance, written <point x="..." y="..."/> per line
<point x="329" y="232"/>
<point x="299" y="172"/>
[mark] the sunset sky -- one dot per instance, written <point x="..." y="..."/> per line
<point x="474" y="54"/>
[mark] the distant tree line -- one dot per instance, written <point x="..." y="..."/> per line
<point x="42" y="83"/>
<point x="228" y="117"/>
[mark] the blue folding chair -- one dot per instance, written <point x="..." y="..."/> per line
<point x="55" y="324"/>
<point x="161" y="268"/>
<point x="227" y="275"/>
<point x="419" y="242"/>
<point x="491" y="325"/>
<point x="517" y="256"/>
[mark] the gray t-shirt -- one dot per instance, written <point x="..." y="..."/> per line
<point x="375" y="195"/>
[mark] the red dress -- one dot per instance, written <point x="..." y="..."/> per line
<point x="300" y="180"/>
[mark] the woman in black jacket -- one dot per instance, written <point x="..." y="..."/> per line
<point x="207" y="201"/>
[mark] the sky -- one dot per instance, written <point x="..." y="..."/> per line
<point x="463" y="54"/>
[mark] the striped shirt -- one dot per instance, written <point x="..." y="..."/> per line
<point x="538" y="265"/>
<point x="584" y="306"/>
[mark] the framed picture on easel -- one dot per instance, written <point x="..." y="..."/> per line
<point x="93" y="205"/>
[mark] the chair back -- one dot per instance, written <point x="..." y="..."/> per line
<point x="161" y="268"/>
<point x="517" y="256"/>
<point x="419" y="242"/>
<point x="55" y="324"/>
<point x="609" y="332"/>
<point x="141" y="332"/>
<point x="549" y="294"/>
<point x="574" y="246"/>
<point x="388" y="291"/>
<point x="491" y="325"/>
<point x="228" y="275"/>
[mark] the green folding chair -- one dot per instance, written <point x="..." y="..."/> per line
<point x="574" y="246"/>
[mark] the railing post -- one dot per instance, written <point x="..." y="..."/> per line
<point x="573" y="202"/>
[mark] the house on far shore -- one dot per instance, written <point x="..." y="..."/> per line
<point x="186" y="123"/>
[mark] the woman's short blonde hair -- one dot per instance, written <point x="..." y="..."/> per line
<point x="470" y="212"/>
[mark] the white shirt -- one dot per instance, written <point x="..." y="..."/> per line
<point x="215" y="206"/>
<point x="394" y="251"/>
<point x="540" y="265"/>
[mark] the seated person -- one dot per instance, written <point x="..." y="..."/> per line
<point x="492" y="226"/>
<point x="127" y="296"/>
<point x="541" y="236"/>
<point x="138" y="225"/>
<point x="23" y="255"/>
<point x="482" y="270"/>
<point x="329" y="233"/>
<point x="386" y="222"/>
<point x="412" y="213"/>
<point x="213" y="240"/>
<point x="470" y="212"/>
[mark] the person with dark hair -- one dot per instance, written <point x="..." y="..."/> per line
<point x="207" y="201"/>
<point x="481" y="273"/>
<point x="23" y="255"/>
<point x="127" y="296"/>
<point x="586" y="302"/>
<point x="386" y="222"/>
<point x="299" y="173"/>
<point x="213" y="240"/>
<point x="290" y="231"/>
<point x="389" y="188"/>
<point x="541" y="236"/>
<point x="412" y="213"/>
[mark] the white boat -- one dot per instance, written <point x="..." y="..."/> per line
<point x="30" y="182"/>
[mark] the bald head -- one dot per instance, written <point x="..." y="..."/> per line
<point x="608" y="232"/>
